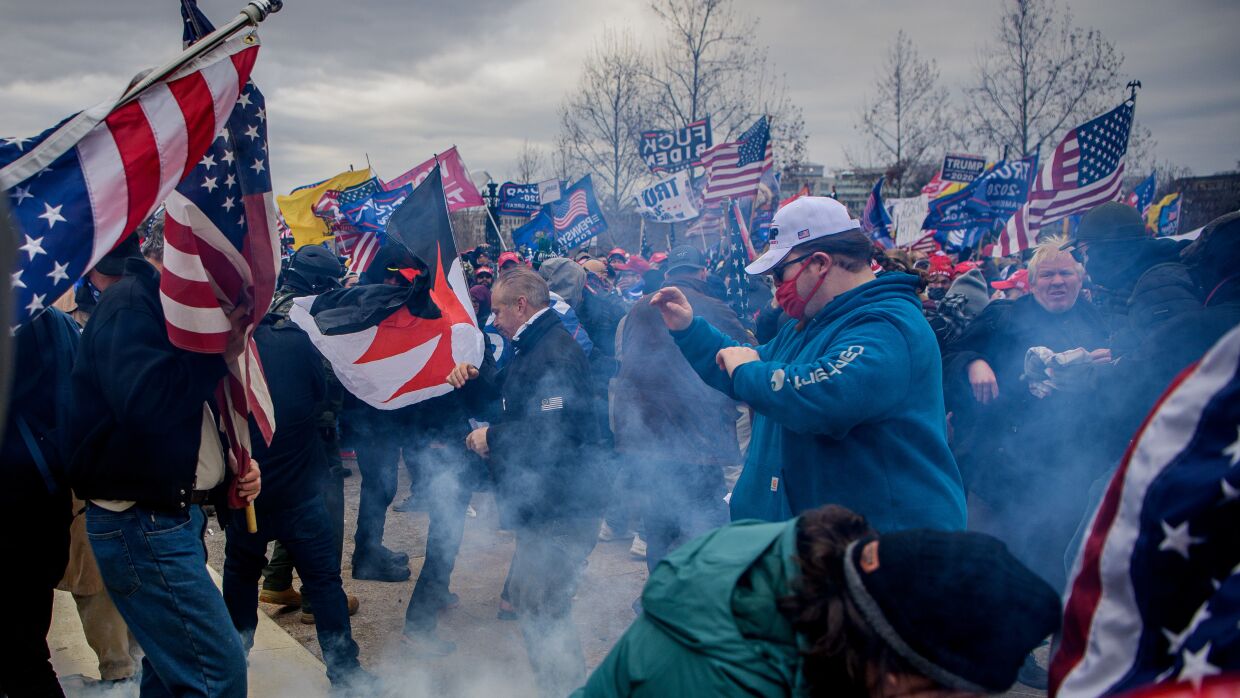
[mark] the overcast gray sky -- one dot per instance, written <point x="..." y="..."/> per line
<point x="402" y="79"/>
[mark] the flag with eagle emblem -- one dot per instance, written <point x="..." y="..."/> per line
<point x="393" y="346"/>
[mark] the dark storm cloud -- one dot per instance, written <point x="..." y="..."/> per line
<point x="401" y="80"/>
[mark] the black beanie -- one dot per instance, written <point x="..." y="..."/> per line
<point x="957" y="606"/>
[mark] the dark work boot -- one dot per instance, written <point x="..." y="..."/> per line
<point x="374" y="566"/>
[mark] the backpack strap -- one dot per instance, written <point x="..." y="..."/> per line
<point x="40" y="462"/>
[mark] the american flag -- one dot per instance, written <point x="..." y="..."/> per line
<point x="565" y="211"/>
<point x="79" y="188"/>
<point x="332" y="204"/>
<point x="925" y="244"/>
<point x="1155" y="594"/>
<point x="1086" y="169"/>
<point x="738" y="258"/>
<point x="734" y="169"/>
<point x="222" y="251"/>
<point x="368" y="218"/>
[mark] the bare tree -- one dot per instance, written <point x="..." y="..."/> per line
<point x="1139" y="158"/>
<point x="907" y="116"/>
<point x="530" y="163"/>
<point x="1168" y="176"/>
<point x="1042" y="75"/>
<point x="709" y="66"/>
<point x="600" y="121"/>
<point x="562" y="164"/>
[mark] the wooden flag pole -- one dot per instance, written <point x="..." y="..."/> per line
<point x="251" y="519"/>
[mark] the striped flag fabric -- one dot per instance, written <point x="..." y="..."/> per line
<point x="367" y="219"/>
<point x="734" y="169"/>
<point x="1086" y="169"/>
<point x="79" y="188"/>
<point x="334" y="202"/>
<point x="576" y="217"/>
<point x="221" y="252"/>
<point x="1155" y="590"/>
<point x="574" y="207"/>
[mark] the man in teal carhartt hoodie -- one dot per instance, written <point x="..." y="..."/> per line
<point x="847" y="400"/>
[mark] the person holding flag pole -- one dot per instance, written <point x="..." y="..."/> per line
<point x="142" y="438"/>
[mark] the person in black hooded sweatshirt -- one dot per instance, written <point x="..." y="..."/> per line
<point x="34" y="500"/>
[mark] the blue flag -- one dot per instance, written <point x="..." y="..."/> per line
<point x="519" y="199"/>
<point x="372" y="213"/>
<point x="875" y="221"/>
<point x="1143" y="195"/>
<point x="993" y="197"/>
<point x="539" y="224"/>
<point x="576" y="217"/>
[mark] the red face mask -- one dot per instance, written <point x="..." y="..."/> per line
<point x="791" y="301"/>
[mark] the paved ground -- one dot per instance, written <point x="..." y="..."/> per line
<point x="279" y="665"/>
<point x="490" y="659"/>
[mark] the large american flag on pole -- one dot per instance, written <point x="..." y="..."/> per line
<point x="79" y="188"/>
<point x="1155" y="594"/>
<point x="734" y="169"/>
<point x="221" y="251"/>
<point x="1086" y="169"/>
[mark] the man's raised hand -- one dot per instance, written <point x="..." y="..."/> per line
<point x="671" y="302"/>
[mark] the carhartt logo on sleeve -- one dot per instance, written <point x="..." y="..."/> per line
<point x="777" y="379"/>
<point x="552" y="403"/>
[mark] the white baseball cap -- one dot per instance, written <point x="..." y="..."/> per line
<point x="807" y="218"/>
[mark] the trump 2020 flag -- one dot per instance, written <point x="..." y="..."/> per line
<point x="393" y="346"/>
<point x="221" y="252"/>
<point x="77" y="189"/>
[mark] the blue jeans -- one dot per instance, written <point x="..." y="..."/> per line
<point x="446" y="479"/>
<point x="307" y="534"/>
<point x="154" y="566"/>
<point x="682" y="501"/>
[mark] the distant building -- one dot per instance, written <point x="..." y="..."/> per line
<point x="852" y="187"/>
<point x="1207" y="198"/>
<point x="805" y="174"/>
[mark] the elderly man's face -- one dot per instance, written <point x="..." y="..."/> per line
<point x="1057" y="284"/>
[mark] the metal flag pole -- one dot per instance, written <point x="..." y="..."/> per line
<point x="499" y="233"/>
<point x="250" y="15"/>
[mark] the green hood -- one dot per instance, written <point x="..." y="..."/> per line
<point x="717" y="595"/>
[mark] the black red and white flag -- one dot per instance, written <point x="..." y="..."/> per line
<point x="1155" y="594"/>
<point x="393" y="346"/>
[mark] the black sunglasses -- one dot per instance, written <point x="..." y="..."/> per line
<point x="778" y="272"/>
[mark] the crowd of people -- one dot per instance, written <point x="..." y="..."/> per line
<point x="873" y="483"/>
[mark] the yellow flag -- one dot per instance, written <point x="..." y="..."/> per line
<point x="298" y="207"/>
<point x="1151" y="219"/>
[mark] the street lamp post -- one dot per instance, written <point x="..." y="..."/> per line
<point x="492" y="201"/>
